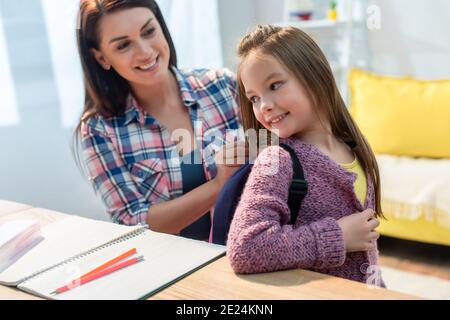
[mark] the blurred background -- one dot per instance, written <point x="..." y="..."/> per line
<point x="41" y="93"/>
<point x="41" y="87"/>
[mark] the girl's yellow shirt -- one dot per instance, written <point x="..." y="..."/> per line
<point x="360" y="184"/>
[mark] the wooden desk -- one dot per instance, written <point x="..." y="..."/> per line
<point x="7" y="207"/>
<point x="218" y="281"/>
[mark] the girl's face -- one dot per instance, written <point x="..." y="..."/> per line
<point x="132" y="42"/>
<point x="280" y="102"/>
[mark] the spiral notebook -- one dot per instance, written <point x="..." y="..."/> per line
<point x="74" y="246"/>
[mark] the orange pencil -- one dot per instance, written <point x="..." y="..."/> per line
<point x="103" y="266"/>
<point x="94" y="276"/>
<point x="110" y="263"/>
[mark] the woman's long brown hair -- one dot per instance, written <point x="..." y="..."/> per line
<point x="303" y="58"/>
<point x="106" y="91"/>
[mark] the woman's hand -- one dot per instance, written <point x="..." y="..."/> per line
<point x="358" y="230"/>
<point x="229" y="159"/>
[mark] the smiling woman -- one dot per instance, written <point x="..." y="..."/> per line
<point x="136" y="100"/>
<point x="137" y="54"/>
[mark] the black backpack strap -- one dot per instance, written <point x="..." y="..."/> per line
<point x="299" y="186"/>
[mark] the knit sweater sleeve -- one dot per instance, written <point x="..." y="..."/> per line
<point x="260" y="240"/>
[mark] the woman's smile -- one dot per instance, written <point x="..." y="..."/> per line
<point x="150" y="66"/>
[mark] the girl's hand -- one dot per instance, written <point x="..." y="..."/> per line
<point x="358" y="230"/>
<point x="229" y="159"/>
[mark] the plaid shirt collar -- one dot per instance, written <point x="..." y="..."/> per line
<point x="188" y="94"/>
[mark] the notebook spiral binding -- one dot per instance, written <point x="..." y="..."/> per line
<point x="81" y="255"/>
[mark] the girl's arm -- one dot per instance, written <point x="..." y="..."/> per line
<point x="260" y="240"/>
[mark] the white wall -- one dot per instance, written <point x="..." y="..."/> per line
<point x="414" y="38"/>
<point x="36" y="164"/>
<point x="239" y="16"/>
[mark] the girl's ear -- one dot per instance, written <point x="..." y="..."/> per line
<point x="101" y="59"/>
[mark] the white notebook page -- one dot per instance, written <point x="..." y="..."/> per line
<point x="167" y="258"/>
<point x="62" y="239"/>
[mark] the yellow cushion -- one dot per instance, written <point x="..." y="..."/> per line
<point x="421" y="229"/>
<point x="402" y="116"/>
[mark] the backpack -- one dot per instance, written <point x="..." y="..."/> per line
<point x="230" y="195"/>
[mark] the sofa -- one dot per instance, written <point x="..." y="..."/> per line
<point x="407" y="123"/>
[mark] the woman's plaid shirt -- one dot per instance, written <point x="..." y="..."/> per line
<point x="132" y="161"/>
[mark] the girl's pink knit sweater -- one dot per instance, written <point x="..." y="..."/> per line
<point x="260" y="240"/>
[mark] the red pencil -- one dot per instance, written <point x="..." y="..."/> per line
<point x="99" y="274"/>
<point x="108" y="264"/>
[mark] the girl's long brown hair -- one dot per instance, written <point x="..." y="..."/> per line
<point x="299" y="54"/>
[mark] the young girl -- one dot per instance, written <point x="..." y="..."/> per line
<point x="286" y="86"/>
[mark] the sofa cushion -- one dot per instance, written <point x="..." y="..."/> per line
<point x="402" y="116"/>
<point x="415" y="198"/>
